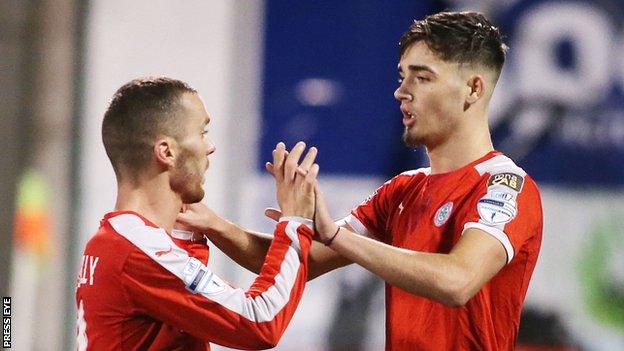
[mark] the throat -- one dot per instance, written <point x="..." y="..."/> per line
<point x="448" y="158"/>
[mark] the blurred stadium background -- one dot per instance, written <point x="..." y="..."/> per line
<point x="323" y="72"/>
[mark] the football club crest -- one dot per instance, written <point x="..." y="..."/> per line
<point x="443" y="214"/>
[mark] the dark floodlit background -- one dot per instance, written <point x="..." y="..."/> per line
<point x="323" y="72"/>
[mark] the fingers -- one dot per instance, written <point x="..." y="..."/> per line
<point x="286" y="165"/>
<point x="273" y="213"/>
<point x="278" y="161"/>
<point x="292" y="161"/>
<point x="310" y="179"/>
<point x="307" y="162"/>
<point x="183" y="218"/>
<point x="270" y="168"/>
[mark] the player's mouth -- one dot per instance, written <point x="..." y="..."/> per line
<point x="408" y="117"/>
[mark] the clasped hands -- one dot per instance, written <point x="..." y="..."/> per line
<point x="298" y="192"/>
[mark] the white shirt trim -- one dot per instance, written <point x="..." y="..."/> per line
<point x="359" y="228"/>
<point x="302" y="220"/>
<point x="182" y="234"/>
<point x="495" y="232"/>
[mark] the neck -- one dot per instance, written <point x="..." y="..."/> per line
<point x="151" y="198"/>
<point x="466" y="145"/>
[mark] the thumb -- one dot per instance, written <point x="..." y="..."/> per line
<point x="184" y="217"/>
<point x="273" y="213"/>
<point x="270" y="168"/>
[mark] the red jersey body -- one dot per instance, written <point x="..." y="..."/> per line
<point x="141" y="289"/>
<point x="429" y="213"/>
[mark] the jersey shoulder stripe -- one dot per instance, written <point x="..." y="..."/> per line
<point x="499" y="164"/>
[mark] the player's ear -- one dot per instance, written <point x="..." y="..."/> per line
<point x="164" y="152"/>
<point x="475" y="89"/>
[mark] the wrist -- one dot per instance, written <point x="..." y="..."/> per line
<point x="299" y="214"/>
<point x="330" y="240"/>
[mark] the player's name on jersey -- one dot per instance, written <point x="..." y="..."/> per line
<point x="86" y="275"/>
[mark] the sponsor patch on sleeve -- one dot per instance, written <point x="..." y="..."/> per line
<point x="199" y="279"/>
<point x="497" y="206"/>
<point x="510" y="180"/>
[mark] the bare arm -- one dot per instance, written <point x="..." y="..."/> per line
<point x="451" y="279"/>
<point x="249" y="248"/>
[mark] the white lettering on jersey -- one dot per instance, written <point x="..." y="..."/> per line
<point x="87" y="270"/>
<point x="81" y="338"/>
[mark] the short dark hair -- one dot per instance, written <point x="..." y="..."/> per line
<point x="139" y="112"/>
<point x="462" y="37"/>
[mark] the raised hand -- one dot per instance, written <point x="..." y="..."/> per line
<point x="198" y="218"/>
<point x="324" y="226"/>
<point x="295" y="182"/>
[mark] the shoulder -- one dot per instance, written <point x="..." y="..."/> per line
<point x="499" y="164"/>
<point x="502" y="172"/>
<point x="142" y="236"/>
<point x="107" y="242"/>
<point x="152" y="246"/>
<point x="506" y="190"/>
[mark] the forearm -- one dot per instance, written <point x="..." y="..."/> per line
<point x="245" y="247"/>
<point x="323" y="259"/>
<point x="249" y="248"/>
<point x="439" y="277"/>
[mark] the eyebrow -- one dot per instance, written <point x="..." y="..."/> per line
<point x="418" y="68"/>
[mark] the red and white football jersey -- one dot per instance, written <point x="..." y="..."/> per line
<point x="428" y="213"/>
<point x="141" y="289"/>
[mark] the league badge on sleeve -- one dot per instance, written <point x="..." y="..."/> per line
<point x="497" y="207"/>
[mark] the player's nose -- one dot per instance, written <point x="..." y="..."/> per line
<point x="210" y="147"/>
<point x="401" y="95"/>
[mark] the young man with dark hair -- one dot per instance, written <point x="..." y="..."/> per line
<point x="456" y="242"/>
<point x="144" y="285"/>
